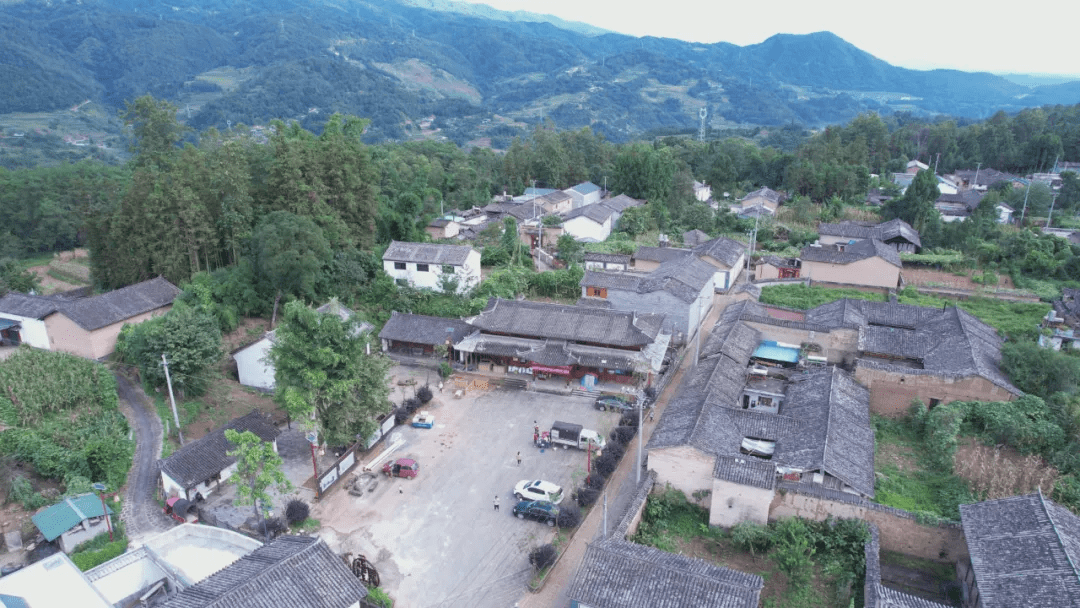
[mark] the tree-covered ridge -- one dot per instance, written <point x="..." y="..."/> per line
<point x="310" y="62"/>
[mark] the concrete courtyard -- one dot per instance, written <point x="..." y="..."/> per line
<point x="436" y="540"/>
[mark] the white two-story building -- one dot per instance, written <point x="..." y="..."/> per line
<point x="431" y="266"/>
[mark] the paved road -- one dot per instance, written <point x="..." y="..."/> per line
<point x="141" y="514"/>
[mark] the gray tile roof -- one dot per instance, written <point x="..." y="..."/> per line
<point x="427" y="253"/>
<point x="597" y="212"/>
<point x="31" y="307"/>
<point x="722" y="249"/>
<point x="622" y="202"/>
<point x="855" y="252"/>
<point x="294" y="571"/>
<point x="607" y="258"/>
<point x="835" y="435"/>
<point x="660" y="254"/>
<point x="970" y="199"/>
<point x="559" y="321"/>
<point x="885" y="231"/>
<point x="615" y="573"/>
<point x="683" y="277"/>
<point x="692" y="238"/>
<point x="766" y="192"/>
<point x="422" y="329"/>
<point x="199" y="460"/>
<point x="891" y="598"/>
<point x="552" y="198"/>
<point x="1024" y="551"/>
<point x="746" y="470"/>
<point x="121" y="304"/>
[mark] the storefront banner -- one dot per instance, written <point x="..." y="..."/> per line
<point x="543" y="369"/>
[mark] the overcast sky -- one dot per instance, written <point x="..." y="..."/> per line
<point x="994" y="37"/>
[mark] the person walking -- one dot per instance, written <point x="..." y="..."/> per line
<point x="519" y="458"/>
<point x="496" y="502"/>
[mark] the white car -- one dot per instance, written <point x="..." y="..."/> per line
<point x="538" y="490"/>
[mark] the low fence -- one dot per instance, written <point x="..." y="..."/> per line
<point x="338" y="470"/>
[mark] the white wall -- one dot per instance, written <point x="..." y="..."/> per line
<point x="467" y="279"/>
<point x="582" y="227"/>
<point x="32" y="331"/>
<point x="254" y="367"/>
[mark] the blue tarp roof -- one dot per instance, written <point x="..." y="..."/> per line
<point x="771" y="351"/>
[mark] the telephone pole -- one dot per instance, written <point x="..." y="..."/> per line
<point x="172" y="399"/>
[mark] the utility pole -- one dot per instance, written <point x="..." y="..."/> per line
<point x="605" y="514"/>
<point x="172" y="399"/>
<point x="975" y="184"/>
<point x="1050" y="216"/>
<point x="640" y="436"/>
<point x="1024" y="210"/>
<point x="936" y="162"/>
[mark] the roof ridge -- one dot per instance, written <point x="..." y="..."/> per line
<point x="1057" y="535"/>
<point x="614" y="540"/>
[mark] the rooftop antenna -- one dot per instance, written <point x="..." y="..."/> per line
<point x="703" y="112"/>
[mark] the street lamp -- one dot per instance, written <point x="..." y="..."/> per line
<point x="100" y="487"/>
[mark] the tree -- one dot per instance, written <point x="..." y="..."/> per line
<point x="290" y="254"/>
<point x="323" y="374"/>
<point x="258" y="469"/>
<point x="570" y="250"/>
<point x="916" y="207"/>
<point x="14" y="278"/>
<point x="188" y="336"/>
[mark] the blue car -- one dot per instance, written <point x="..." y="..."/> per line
<point x="537" y="510"/>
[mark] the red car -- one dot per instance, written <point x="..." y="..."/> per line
<point x="402" y="467"/>
<point x="181" y="510"/>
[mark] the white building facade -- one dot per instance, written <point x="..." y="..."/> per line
<point x="431" y="266"/>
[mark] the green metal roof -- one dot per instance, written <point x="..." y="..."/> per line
<point x="67" y="513"/>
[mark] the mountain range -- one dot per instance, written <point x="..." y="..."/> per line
<point x="435" y="68"/>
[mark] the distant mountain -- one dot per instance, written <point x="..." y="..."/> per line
<point x="1033" y="80"/>
<point x="436" y="68"/>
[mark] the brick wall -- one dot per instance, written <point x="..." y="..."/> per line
<point x="891" y="393"/>
<point x="898" y="529"/>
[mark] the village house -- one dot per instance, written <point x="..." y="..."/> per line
<point x="900" y="352"/>
<point x="585" y="193"/>
<point x="578" y="343"/>
<point x="681" y="290"/>
<point x="868" y="263"/>
<point x="73" y="521"/>
<point x="979" y="179"/>
<point x="557" y="202"/>
<point x="84" y="326"/>
<point x="419" y="335"/>
<point x="606" y="261"/>
<point x="771" y="268"/>
<point x="253" y="365"/>
<point x="726" y="256"/>
<point x="433" y="266"/>
<point x="895" y="232"/>
<point x="702" y="191"/>
<point x="914" y="166"/>
<point x="695" y="237"/>
<point x="590" y="224"/>
<point x="442" y="228"/>
<point x="718" y="436"/>
<point x="199" y="467"/>
<point x="764" y="200"/>
<point x="1024" y="552"/>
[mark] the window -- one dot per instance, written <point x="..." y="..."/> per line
<point x="399" y="265"/>
<point x="421" y="268"/>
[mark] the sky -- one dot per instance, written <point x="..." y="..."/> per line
<point x="959" y="34"/>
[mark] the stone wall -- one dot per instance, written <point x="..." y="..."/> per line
<point x="899" y="531"/>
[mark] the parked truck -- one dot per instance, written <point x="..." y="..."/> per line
<point x="574" y="436"/>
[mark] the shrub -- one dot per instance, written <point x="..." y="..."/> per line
<point x="623" y="434"/>
<point x="22" y="492"/>
<point x="296" y="511"/>
<point x="424" y="394"/>
<point x="445" y="370"/>
<point x="543" y="556"/>
<point x="90" y="559"/>
<point x="751" y="537"/>
<point x="615" y="450"/>
<point x="401" y="416"/>
<point x="411" y="405"/>
<point x="605" y="465"/>
<point x="569" y="516"/>
<point x="379" y="597"/>
<point x="629" y="419"/>
<point x="586" y="497"/>
<point x="595" y="480"/>
<point x="75" y="485"/>
<point x="272" y="526"/>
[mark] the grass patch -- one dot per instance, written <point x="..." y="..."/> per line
<point x="100" y="549"/>
<point x="797" y="295"/>
<point x="42" y="259"/>
<point x="308" y="525"/>
<point x="920" y="489"/>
